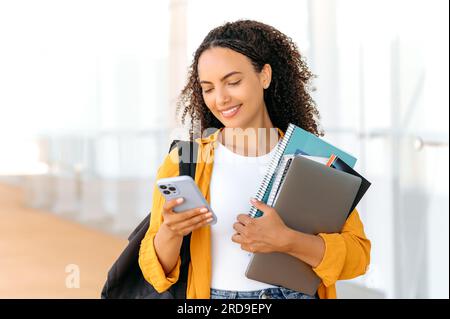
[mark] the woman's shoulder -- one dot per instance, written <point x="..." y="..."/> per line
<point x="208" y="138"/>
<point x="170" y="165"/>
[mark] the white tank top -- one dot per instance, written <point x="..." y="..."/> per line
<point x="235" y="178"/>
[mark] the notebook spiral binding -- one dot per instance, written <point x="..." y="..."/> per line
<point x="280" y="148"/>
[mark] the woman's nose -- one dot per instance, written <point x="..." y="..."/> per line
<point x="222" y="97"/>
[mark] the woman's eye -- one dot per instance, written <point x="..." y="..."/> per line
<point x="230" y="83"/>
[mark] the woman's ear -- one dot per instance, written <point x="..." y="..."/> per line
<point x="266" y="75"/>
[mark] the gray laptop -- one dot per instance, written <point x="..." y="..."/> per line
<point x="313" y="198"/>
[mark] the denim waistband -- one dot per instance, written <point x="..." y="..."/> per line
<point x="269" y="293"/>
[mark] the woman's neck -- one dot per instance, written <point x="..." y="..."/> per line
<point x="256" y="138"/>
<point x="250" y="141"/>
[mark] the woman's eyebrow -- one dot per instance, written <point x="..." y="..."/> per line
<point x="224" y="77"/>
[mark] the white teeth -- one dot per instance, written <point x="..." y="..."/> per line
<point x="230" y="111"/>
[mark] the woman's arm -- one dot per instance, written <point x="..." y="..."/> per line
<point x="335" y="256"/>
<point x="347" y="254"/>
<point x="170" y="235"/>
<point x="159" y="258"/>
<point x="308" y="248"/>
<point x="167" y="247"/>
<point x="153" y="270"/>
<point x="269" y="234"/>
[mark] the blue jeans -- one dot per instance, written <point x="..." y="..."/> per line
<point x="269" y="293"/>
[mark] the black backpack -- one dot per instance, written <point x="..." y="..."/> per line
<point x="125" y="279"/>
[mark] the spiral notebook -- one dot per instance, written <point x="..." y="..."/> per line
<point x="296" y="141"/>
<point x="313" y="199"/>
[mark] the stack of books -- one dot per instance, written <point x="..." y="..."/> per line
<point x="314" y="187"/>
<point x="298" y="142"/>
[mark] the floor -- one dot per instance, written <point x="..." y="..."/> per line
<point x="46" y="256"/>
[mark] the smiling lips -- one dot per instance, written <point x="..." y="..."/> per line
<point x="231" y="112"/>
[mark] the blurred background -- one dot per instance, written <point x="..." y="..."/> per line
<point x="87" y="112"/>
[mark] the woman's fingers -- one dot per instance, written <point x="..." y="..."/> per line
<point x="239" y="228"/>
<point x="179" y="216"/>
<point x="182" y="223"/>
<point x="171" y="204"/>
<point x="195" y="222"/>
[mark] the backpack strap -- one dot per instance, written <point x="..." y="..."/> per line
<point x="187" y="153"/>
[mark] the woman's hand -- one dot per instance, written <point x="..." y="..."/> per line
<point x="263" y="234"/>
<point x="169" y="238"/>
<point x="179" y="224"/>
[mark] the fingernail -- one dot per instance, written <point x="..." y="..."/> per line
<point x="209" y="220"/>
<point x="252" y="200"/>
<point x="204" y="210"/>
<point x="209" y="214"/>
<point x="180" y="200"/>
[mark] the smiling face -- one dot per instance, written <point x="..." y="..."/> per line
<point x="232" y="89"/>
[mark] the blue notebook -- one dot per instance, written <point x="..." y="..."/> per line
<point x="296" y="141"/>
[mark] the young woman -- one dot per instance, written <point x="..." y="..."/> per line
<point x="247" y="81"/>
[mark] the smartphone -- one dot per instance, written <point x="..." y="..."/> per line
<point x="184" y="186"/>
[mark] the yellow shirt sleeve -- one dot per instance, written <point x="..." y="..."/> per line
<point x="347" y="254"/>
<point x="148" y="260"/>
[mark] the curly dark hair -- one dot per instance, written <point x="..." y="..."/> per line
<point x="287" y="98"/>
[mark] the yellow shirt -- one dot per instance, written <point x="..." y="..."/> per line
<point x="347" y="254"/>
